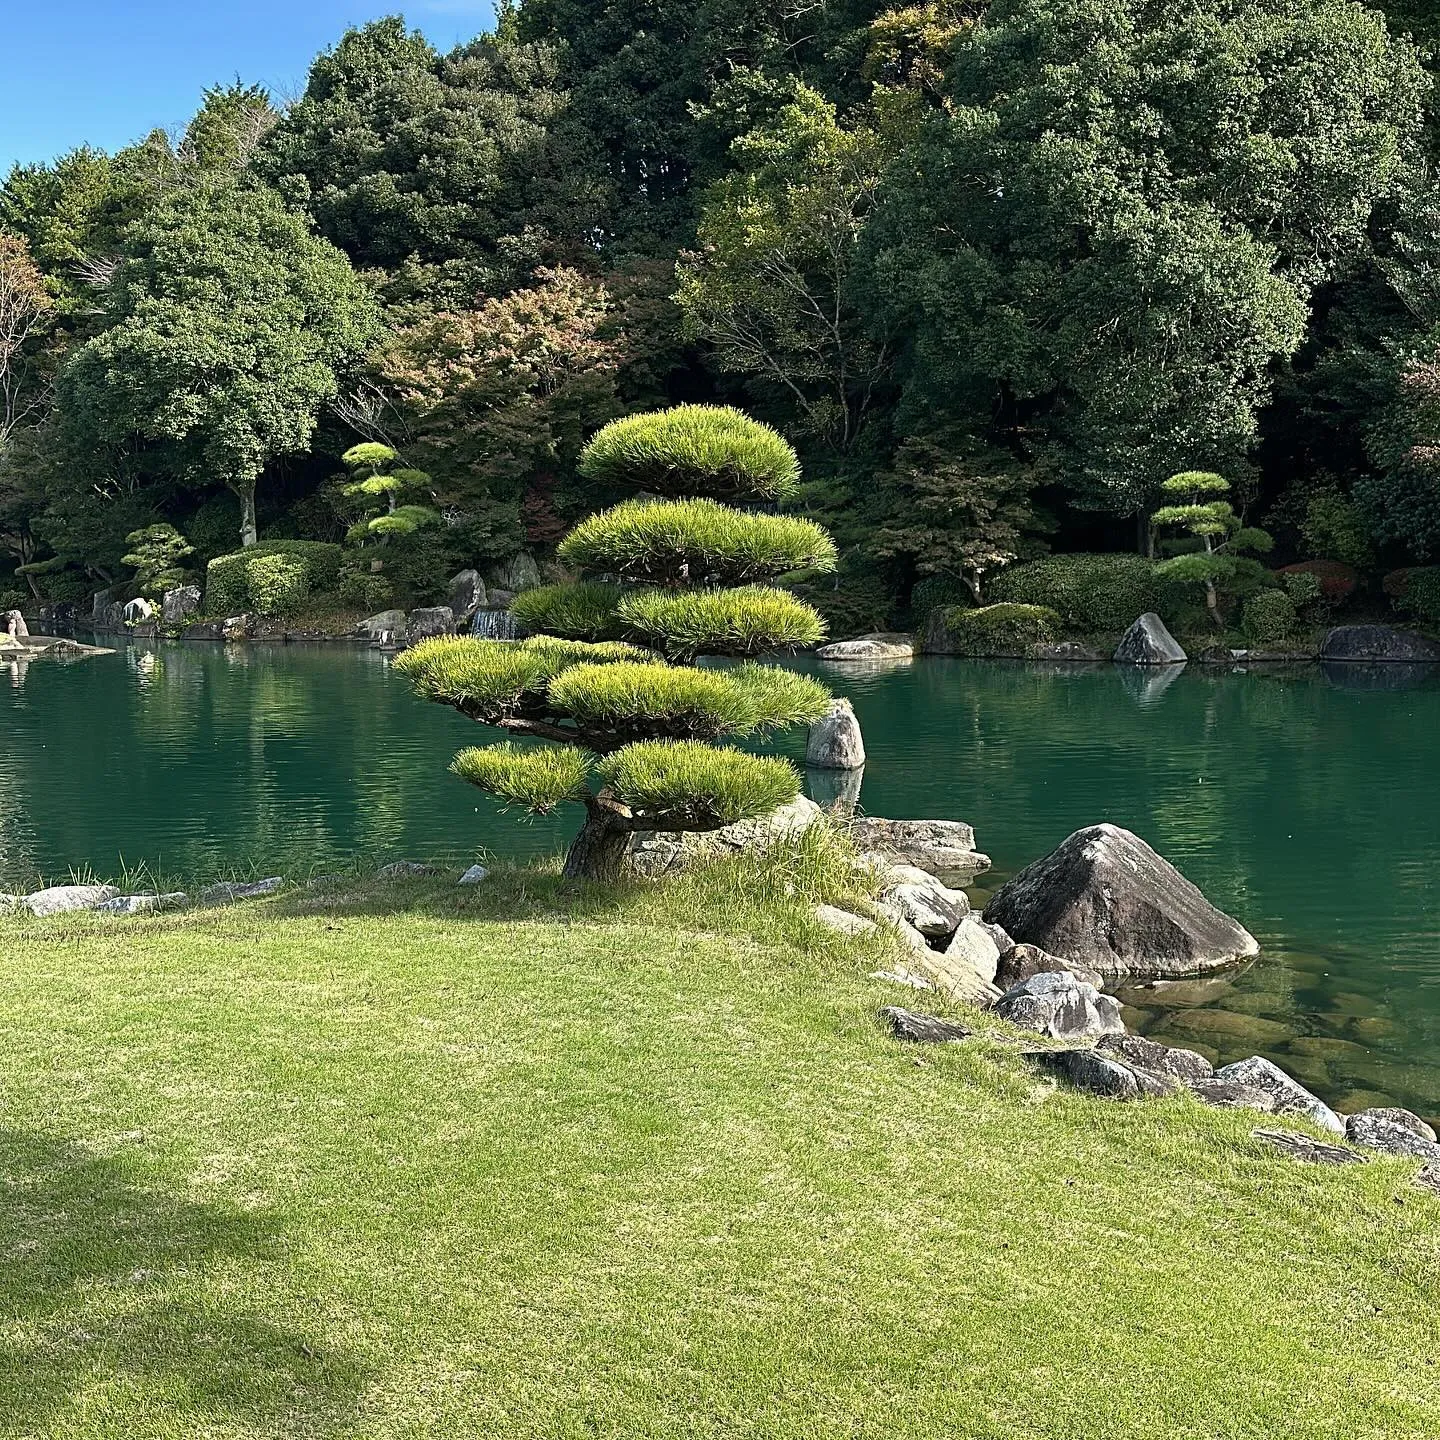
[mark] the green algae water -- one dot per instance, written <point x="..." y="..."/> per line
<point x="1305" y="803"/>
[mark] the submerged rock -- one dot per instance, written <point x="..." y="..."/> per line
<point x="1291" y="1097"/>
<point x="1377" y="643"/>
<point x="835" y="741"/>
<point x="63" y="899"/>
<point x="1061" y="1007"/>
<point x="1148" y="642"/>
<point x="1109" y="903"/>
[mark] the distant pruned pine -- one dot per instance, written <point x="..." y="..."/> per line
<point x="679" y="780"/>
<point x="751" y="621"/>
<point x="695" y="542"/>
<point x="534" y="778"/>
<point x="694" y="450"/>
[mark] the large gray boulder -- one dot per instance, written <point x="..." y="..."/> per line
<point x="179" y="605"/>
<point x="1061" y="1007"/>
<point x="943" y="847"/>
<point x="1291" y="1097"/>
<point x="139" y="612"/>
<point x="1371" y="643"/>
<point x="425" y="624"/>
<point x="520" y="572"/>
<point x="62" y="899"/>
<point x="467" y="595"/>
<point x="1107" y="902"/>
<point x="1107" y="1075"/>
<point x="1148" y="642"/>
<point x="835" y="740"/>
<point x="387" y="623"/>
<point x="1188" y="1067"/>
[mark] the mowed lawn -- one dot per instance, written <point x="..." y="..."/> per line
<point x="419" y="1163"/>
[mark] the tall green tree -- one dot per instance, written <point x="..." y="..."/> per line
<point x="224" y="328"/>
<point x="446" y="162"/>
<point x="1115" y="228"/>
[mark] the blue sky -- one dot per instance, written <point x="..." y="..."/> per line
<point x="110" y="71"/>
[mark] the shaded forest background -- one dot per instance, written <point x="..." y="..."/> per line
<point x="998" y="270"/>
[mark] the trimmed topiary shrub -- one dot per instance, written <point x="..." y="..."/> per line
<point x="640" y="724"/>
<point x="993" y="632"/>
<point x="1092" y="594"/>
<point x="694" y="450"/>
<point x="1269" y="617"/>
<point x="247" y="582"/>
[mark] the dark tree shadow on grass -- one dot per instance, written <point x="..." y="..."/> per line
<point x="103" y="1282"/>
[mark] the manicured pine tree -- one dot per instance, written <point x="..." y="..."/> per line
<point x="608" y="678"/>
<point x="1218" y="553"/>
<point x="375" y="477"/>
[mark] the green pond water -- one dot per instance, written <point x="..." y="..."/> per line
<point x="1307" y="804"/>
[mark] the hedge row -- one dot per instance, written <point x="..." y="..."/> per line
<point x="1092" y="594"/>
<point x="275" y="577"/>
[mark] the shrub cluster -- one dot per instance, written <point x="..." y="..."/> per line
<point x="1091" y="594"/>
<point x="993" y="632"/>
<point x="273" y="578"/>
<point x="1416" y="592"/>
<point x="1269" y="617"/>
<point x="1338" y="581"/>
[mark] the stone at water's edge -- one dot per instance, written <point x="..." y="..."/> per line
<point x="869" y="647"/>
<point x="227" y="892"/>
<point x="943" y="847"/>
<point x="1148" y="642"/>
<point x="973" y="945"/>
<point x="179" y="605"/>
<point x="143" y="904"/>
<point x="935" y="911"/>
<point x="1392" y="1132"/>
<point x="1061" y="1007"/>
<point x="1106" y="1075"/>
<point x="427" y="623"/>
<point x="387" y="622"/>
<point x="1107" y="902"/>
<point x="62" y="899"/>
<point x="1377" y="643"/>
<point x="467" y="595"/>
<point x="842" y="922"/>
<point x="1020" y="962"/>
<point x="923" y="1029"/>
<point x="1291" y="1098"/>
<point x="137" y="612"/>
<point x="1307" y="1148"/>
<point x="474" y="875"/>
<point x="655" y="852"/>
<point x="835" y="741"/>
<point x="1186" y="1066"/>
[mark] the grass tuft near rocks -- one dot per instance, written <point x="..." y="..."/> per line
<point x="401" y="1160"/>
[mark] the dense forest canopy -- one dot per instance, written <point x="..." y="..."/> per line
<point x="999" y="270"/>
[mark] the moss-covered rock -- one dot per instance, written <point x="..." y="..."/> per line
<point x="995" y="632"/>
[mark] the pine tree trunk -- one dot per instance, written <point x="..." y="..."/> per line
<point x="601" y="849"/>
